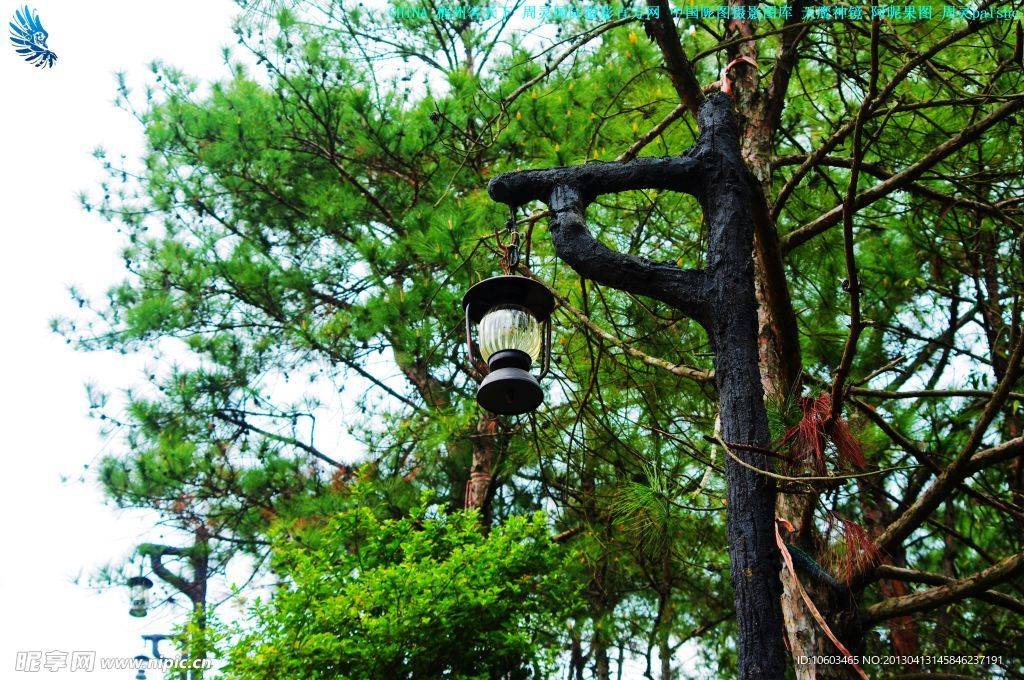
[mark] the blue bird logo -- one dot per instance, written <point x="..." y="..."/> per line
<point x="29" y="38"/>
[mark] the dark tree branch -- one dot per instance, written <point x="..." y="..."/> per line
<point x="995" y="455"/>
<point x="156" y="554"/>
<point x="663" y="31"/>
<point x="290" y="441"/>
<point x="578" y="42"/>
<point x="929" y="394"/>
<point x="848" y="209"/>
<point x="682" y="289"/>
<point x="879" y="171"/>
<point x="673" y="173"/>
<point x="902" y="178"/>
<point x="793" y="31"/>
<point x="944" y="594"/>
<point x="990" y="596"/>
<point x="890" y="87"/>
<point x="645" y="139"/>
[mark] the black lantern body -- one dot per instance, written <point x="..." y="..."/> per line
<point x="140" y="674"/>
<point x="139" y="585"/>
<point x="513" y="318"/>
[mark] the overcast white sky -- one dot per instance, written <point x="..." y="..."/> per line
<point x="52" y="120"/>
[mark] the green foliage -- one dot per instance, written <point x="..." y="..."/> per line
<point x="424" y="596"/>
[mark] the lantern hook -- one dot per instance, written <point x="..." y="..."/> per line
<point x="510" y="248"/>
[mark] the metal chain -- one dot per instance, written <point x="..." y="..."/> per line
<point x="510" y="249"/>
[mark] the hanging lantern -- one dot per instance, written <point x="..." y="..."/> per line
<point x="513" y="318"/>
<point x="139" y="585"/>
<point x="140" y="673"/>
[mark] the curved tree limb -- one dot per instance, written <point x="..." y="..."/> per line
<point x="913" y="576"/>
<point x="944" y="594"/>
<point x="680" y="72"/>
<point x="156" y="554"/>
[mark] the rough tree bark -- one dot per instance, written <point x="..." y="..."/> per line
<point x="479" y="488"/>
<point x="721" y="298"/>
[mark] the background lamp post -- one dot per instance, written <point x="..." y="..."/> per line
<point x="140" y="673"/>
<point x="155" y="639"/>
<point x="513" y="318"/>
<point x="139" y="585"/>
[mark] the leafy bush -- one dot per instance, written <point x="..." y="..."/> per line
<point x="425" y="596"/>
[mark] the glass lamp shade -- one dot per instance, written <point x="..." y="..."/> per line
<point x="507" y="327"/>
<point x="139" y="585"/>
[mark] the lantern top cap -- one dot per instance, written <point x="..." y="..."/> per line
<point x="140" y="581"/>
<point x="508" y="290"/>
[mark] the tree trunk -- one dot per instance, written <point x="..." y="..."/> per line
<point x="750" y="514"/>
<point x="200" y="559"/>
<point x="805" y="636"/>
<point x="779" y="355"/>
<point x="478" y="488"/>
<point x="665" y="610"/>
